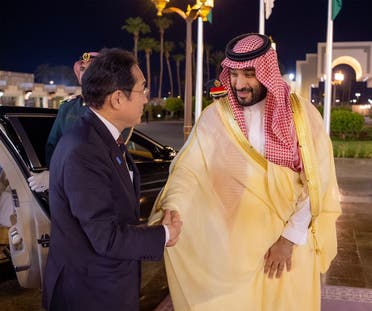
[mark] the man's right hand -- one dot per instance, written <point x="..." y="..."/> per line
<point x="173" y="221"/>
<point x="39" y="182"/>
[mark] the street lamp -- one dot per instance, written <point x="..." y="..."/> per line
<point x="201" y="8"/>
<point x="339" y="77"/>
<point x="357" y="95"/>
<point x="205" y="8"/>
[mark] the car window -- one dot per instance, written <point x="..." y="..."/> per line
<point x="33" y="131"/>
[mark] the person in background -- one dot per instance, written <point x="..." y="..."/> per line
<point x="255" y="186"/>
<point x="69" y="111"/>
<point x="97" y="243"/>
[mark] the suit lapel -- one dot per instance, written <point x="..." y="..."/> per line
<point x="117" y="158"/>
<point x="136" y="175"/>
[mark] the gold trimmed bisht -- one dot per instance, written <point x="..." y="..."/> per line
<point x="234" y="205"/>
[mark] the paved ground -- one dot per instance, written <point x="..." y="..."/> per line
<point x="353" y="264"/>
<point x="154" y="290"/>
<point x="166" y="132"/>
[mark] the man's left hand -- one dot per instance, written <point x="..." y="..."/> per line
<point x="277" y="257"/>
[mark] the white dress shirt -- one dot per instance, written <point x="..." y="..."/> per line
<point x="296" y="228"/>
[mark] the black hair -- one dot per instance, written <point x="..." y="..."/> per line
<point x="108" y="72"/>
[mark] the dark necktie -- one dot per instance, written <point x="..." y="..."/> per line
<point x="121" y="144"/>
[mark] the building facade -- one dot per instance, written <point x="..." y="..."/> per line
<point x="19" y="89"/>
<point x="353" y="60"/>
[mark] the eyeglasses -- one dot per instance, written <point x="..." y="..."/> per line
<point x="145" y="91"/>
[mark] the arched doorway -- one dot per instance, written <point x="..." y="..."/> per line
<point x="343" y="91"/>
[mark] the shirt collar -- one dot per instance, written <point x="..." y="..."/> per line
<point x="259" y="107"/>
<point x="113" y="130"/>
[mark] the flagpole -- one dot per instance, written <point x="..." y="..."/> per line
<point x="328" y="71"/>
<point x="262" y="18"/>
<point x="199" y="71"/>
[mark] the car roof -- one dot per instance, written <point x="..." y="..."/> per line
<point x="4" y="110"/>
<point x="21" y="109"/>
<point x="7" y="113"/>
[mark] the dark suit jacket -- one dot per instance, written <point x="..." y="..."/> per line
<point x="96" y="243"/>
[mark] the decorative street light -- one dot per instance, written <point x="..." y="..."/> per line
<point x="202" y="9"/>
<point x="339" y="77"/>
<point x="205" y="8"/>
<point x="357" y="95"/>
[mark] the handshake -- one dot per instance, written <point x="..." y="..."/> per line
<point x="173" y="221"/>
<point x="40" y="183"/>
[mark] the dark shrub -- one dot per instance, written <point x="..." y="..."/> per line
<point x="346" y="124"/>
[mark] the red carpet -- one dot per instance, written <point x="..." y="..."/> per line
<point x="334" y="298"/>
<point x="343" y="298"/>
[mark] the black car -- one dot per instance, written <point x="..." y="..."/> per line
<point x="23" y="135"/>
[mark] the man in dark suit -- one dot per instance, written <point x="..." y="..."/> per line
<point x="97" y="243"/>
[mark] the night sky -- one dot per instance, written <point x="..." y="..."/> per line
<point x="57" y="32"/>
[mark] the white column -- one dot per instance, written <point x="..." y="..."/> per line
<point x="37" y="102"/>
<point x="328" y="71"/>
<point x="45" y="102"/>
<point x="20" y="100"/>
<point x="262" y="18"/>
<point x="199" y="71"/>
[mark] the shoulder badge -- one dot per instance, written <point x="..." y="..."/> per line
<point x="71" y="98"/>
<point x="216" y="89"/>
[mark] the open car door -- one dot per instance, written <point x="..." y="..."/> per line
<point x="23" y="134"/>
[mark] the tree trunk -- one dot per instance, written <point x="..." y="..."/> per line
<point x="161" y="62"/>
<point x="135" y="48"/>
<point x="148" y="71"/>
<point x="178" y="77"/>
<point x="207" y="52"/>
<point x="167" y="56"/>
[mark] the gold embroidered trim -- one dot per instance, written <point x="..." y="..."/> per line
<point x="307" y="153"/>
<point x="308" y="158"/>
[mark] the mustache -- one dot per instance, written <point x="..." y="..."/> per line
<point x="244" y="89"/>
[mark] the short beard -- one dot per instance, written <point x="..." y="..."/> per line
<point x="256" y="96"/>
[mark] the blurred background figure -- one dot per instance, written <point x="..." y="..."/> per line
<point x="69" y="111"/>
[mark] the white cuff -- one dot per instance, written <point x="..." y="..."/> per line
<point x="296" y="228"/>
<point x="166" y="234"/>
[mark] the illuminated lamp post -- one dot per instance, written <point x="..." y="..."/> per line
<point x="357" y="95"/>
<point x="201" y="8"/>
<point x="339" y="77"/>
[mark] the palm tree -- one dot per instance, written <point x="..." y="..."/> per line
<point x="216" y="59"/>
<point x="148" y="45"/>
<point x="135" y="26"/>
<point x="168" y="48"/>
<point x="193" y="57"/>
<point x="178" y="58"/>
<point x="163" y="24"/>
<point x="208" y="49"/>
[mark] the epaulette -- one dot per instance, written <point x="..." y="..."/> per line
<point x="70" y="98"/>
<point x="218" y="92"/>
<point x="216" y="89"/>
